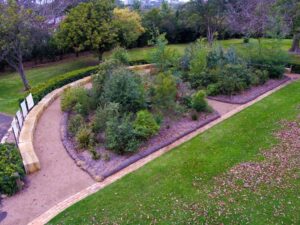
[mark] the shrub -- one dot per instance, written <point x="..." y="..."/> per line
<point x="43" y="89"/>
<point x="120" y="135"/>
<point x="95" y="154"/>
<point x="74" y="124"/>
<point x="103" y="114"/>
<point x="162" y="56"/>
<point x="104" y="72"/>
<point x="11" y="169"/>
<point x="75" y="98"/>
<point x="125" y="88"/>
<point x="83" y="137"/>
<point x="199" y="102"/>
<point x="145" y="125"/>
<point x="120" y="54"/>
<point x="259" y="77"/>
<point x="165" y="91"/>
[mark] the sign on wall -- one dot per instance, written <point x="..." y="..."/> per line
<point x="30" y="102"/>
<point x="24" y="109"/>
<point x="15" y="129"/>
<point x="19" y="118"/>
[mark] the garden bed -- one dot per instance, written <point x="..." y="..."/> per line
<point x="251" y="93"/>
<point x="102" y="168"/>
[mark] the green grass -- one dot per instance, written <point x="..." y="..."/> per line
<point x="173" y="189"/>
<point x="11" y="87"/>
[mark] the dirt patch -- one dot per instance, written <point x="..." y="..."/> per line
<point x="111" y="162"/>
<point x="252" y="93"/>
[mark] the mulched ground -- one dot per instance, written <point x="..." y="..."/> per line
<point x="110" y="162"/>
<point x="250" y="94"/>
<point x="5" y="122"/>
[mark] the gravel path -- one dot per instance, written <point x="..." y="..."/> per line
<point x="58" y="178"/>
<point x="5" y="122"/>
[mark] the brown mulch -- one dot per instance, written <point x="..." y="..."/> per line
<point x="110" y="162"/>
<point x="251" y="93"/>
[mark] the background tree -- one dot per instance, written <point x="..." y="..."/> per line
<point x="289" y="10"/>
<point x="18" y="29"/>
<point x="89" y="26"/>
<point x="208" y="15"/>
<point x="129" y="26"/>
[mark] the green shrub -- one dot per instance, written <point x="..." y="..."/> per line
<point x="43" y="89"/>
<point x="213" y="89"/>
<point x="145" y="125"/>
<point x="120" y="54"/>
<point x="259" y="77"/>
<point x="11" y="169"/>
<point x="75" y="98"/>
<point x="84" y="137"/>
<point x="165" y="92"/>
<point x="103" y="114"/>
<point x="163" y="56"/>
<point x="246" y="40"/>
<point x="199" y="102"/>
<point x="126" y="89"/>
<point x="121" y="136"/>
<point x="95" y="154"/>
<point x="74" y="124"/>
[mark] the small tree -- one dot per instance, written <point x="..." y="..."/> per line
<point x="89" y="26"/>
<point x="18" y="26"/>
<point x="129" y="26"/>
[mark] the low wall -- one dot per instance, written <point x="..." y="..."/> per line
<point x="26" y="147"/>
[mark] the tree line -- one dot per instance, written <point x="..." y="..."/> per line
<point x="48" y="29"/>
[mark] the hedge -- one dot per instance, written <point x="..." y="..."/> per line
<point x="43" y="89"/>
<point x="295" y="68"/>
<point x="11" y="169"/>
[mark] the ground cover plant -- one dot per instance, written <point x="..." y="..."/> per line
<point x="182" y="186"/>
<point x="11" y="169"/>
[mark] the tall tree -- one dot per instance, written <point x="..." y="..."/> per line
<point x="290" y="13"/>
<point x="208" y="15"/>
<point x="18" y="26"/>
<point x="89" y="26"/>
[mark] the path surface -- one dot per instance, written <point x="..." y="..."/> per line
<point x="58" y="178"/>
<point x="5" y="122"/>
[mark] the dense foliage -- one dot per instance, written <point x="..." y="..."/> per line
<point x="11" y="169"/>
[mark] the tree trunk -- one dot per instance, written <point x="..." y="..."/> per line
<point x="210" y="36"/>
<point x="295" y="45"/>
<point x="23" y="76"/>
<point x="100" y="54"/>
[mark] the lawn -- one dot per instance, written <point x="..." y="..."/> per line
<point x="11" y="88"/>
<point x="175" y="188"/>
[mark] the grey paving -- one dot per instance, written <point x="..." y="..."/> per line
<point x="5" y="122"/>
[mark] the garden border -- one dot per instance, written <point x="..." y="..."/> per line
<point x="26" y="147"/>
<point x="70" y="148"/>
<point x="60" y="207"/>
<point x="249" y="99"/>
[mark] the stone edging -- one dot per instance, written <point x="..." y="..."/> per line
<point x="51" y="213"/>
<point x="26" y="147"/>
<point x="70" y="148"/>
<point x="246" y="100"/>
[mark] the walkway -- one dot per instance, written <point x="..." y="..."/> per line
<point x="58" y="179"/>
<point x="5" y="122"/>
<point x="61" y="181"/>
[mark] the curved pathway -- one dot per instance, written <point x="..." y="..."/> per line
<point x="60" y="183"/>
<point x="58" y="178"/>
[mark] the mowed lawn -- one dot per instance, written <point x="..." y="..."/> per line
<point x="175" y="188"/>
<point x="11" y="88"/>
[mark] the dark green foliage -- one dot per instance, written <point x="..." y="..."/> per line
<point x="75" y="122"/>
<point x="84" y="137"/>
<point x="259" y="77"/>
<point x="121" y="136"/>
<point x="199" y="102"/>
<point x="43" y="89"/>
<point x="11" y="169"/>
<point x="76" y="99"/>
<point x="103" y="114"/>
<point x="145" y="125"/>
<point x="95" y="154"/>
<point x="165" y="92"/>
<point x="125" y="88"/>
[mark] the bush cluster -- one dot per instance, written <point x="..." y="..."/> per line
<point x="11" y="169"/>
